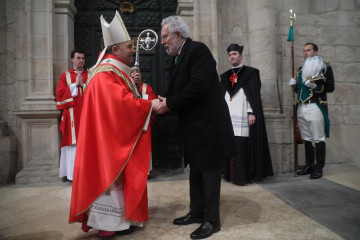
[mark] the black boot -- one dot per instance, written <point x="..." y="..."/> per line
<point x="320" y="160"/>
<point x="309" y="158"/>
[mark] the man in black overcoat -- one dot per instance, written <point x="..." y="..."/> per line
<point x="194" y="93"/>
<point x="241" y="85"/>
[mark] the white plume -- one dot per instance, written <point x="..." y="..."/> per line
<point x="313" y="66"/>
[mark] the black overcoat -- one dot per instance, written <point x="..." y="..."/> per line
<point x="195" y="94"/>
<point x="259" y="152"/>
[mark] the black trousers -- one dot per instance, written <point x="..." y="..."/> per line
<point x="238" y="169"/>
<point x="205" y="192"/>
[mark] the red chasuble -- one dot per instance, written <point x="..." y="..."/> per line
<point x="112" y="142"/>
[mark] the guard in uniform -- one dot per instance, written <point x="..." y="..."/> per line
<point x="313" y="81"/>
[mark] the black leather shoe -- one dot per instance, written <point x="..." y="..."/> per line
<point x="316" y="175"/>
<point x="191" y="217"/>
<point x="306" y="170"/>
<point x="205" y="230"/>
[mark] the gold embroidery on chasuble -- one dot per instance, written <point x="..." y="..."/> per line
<point x="110" y="68"/>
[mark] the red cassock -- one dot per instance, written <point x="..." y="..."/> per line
<point x="149" y="91"/>
<point x="112" y="142"/>
<point x="71" y="106"/>
<point x="150" y="96"/>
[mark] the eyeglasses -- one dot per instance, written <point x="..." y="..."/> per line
<point x="164" y="37"/>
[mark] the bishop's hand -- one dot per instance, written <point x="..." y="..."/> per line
<point x="155" y="104"/>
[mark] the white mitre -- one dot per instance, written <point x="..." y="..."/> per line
<point x="113" y="33"/>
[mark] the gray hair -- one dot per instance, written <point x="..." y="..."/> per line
<point x="176" y="24"/>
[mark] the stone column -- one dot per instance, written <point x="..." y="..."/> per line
<point x="38" y="49"/>
<point x="201" y="17"/>
<point x="262" y="41"/>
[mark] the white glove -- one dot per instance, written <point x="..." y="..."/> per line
<point x="292" y="82"/>
<point x="310" y="84"/>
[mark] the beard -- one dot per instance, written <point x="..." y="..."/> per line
<point x="171" y="51"/>
<point x="174" y="49"/>
<point x="313" y="66"/>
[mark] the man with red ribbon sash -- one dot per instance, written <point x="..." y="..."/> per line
<point x="112" y="161"/>
<point x="69" y="99"/>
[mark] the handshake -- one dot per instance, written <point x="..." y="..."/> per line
<point x="307" y="83"/>
<point x="159" y="105"/>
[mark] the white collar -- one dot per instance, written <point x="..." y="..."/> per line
<point x="122" y="66"/>
<point x="181" y="47"/>
<point x="238" y="66"/>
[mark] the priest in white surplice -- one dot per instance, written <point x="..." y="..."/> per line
<point x="242" y="86"/>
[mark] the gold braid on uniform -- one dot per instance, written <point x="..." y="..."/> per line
<point x="110" y="68"/>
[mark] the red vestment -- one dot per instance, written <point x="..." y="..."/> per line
<point x="112" y="142"/>
<point x="148" y="91"/>
<point x="71" y="106"/>
<point x="150" y="96"/>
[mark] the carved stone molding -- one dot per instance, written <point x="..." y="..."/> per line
<point x="65" y="7"/>
<point x="185" y="8"/>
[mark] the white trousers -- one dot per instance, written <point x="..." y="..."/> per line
<point x="67" y="161"/>
<point x="108" y="211"/>
<point x="311" y="123"/>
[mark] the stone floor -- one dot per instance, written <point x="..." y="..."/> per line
<point x="281" y="207"/>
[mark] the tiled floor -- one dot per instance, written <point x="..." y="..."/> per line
<point x="249" y="212"/>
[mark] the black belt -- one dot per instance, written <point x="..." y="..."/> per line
<point x="310" y="101"/>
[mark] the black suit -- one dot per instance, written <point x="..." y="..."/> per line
<point x="195" y="94"/>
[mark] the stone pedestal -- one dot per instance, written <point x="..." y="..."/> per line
<point x="280" y="142"/>
<point x="40" y="147"/>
